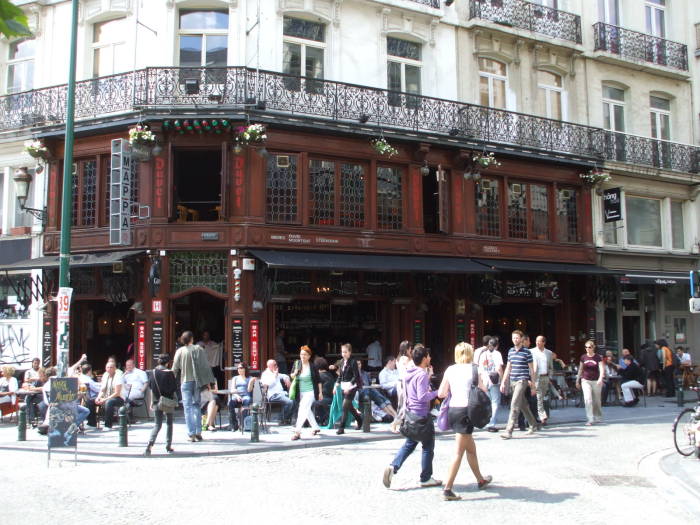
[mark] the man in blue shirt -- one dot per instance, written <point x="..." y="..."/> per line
<point x="520" y="371"/>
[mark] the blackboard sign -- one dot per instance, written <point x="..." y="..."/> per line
<point x="236" y="342"/>
<point x="47" y="341"/>
<point x="156" y="337"/>
<point x="612" y="205"/>
<point x="63" y="401"/>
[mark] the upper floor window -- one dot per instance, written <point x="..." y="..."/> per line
<point x="281" y="189"/>
<point x="492" y="83"/>
<point x="403" y="65"/>
<point x="613" y="108"/>
<point x="109" y="48"/>
<point x="85" y="193"/>
<point x="567" y="215"/>
<point x="660" y="118"/>
<point x="20" y="66"/>
<point x="304" y="48"/>
<point x="677" y="229"/>
<point x="203" y="38"/>
<point x="643" y="221"/>
<point x="517" y="210"/>
<point x="550" y="92"/>
<point x="389" y="198"/>
<point x="336" y="193"/>
<point x="609" y="12"/>
<point x="654" y="12"/>
<point x="488" y="206"/>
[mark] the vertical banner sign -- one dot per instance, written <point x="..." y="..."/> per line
<point x="472" y="332"/>
<point x="63" y="328"/>
<point x="254" y="344"/>
<point x="63" y="401"/>
<point x="417" y="331"/>
<point x="236" y="341"/>
<point x="47" y="341"/>
<point x="157" y="337"/>
<point x="612" y="205"/>
<point x="122" y="173"/>
<point x="141" y="344"/>
<point x="461" y="330"/>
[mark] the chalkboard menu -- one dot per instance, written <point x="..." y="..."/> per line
<point x="156" y="337"/>
<point x="63" y="401"/>
<point x="236" y="341"/>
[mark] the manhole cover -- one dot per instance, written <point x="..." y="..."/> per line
<point x="622" y="481"/>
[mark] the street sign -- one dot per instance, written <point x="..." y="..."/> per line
<point x="612" y="205"/>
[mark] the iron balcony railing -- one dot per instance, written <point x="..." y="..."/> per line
<point x="640" y="47"/>
<point x="527" y="15"/>
<point x="158" y="89"/>
<point x="429" y="3"/>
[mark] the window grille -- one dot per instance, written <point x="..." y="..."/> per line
<point x="389" y="198"/>
<point x="281" y="189"/>
<point x="488" y="207"/>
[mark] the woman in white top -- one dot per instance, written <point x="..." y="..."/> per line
<point x="457" y="381"/>
<point x="8" y="385"/>
<point x="402" y="364"/>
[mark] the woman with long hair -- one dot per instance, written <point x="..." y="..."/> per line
<point x="591" y="373"/>
<point x="162" y="382"/>
<point x="457" y="382"/>
<point x="310" y="390"/>
<point x="349" y="381"/>
<point x="403" y="363"/>
<point x="241" y="395"/>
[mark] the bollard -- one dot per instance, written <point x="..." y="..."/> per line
<point x="123" y="427"/>
<point x="679" y="390"/>
<point x="254" y="425"/>
<point x="366" y="414"/>
<point x="22" y="423"/>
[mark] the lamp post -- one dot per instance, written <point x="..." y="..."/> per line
<point x="23" y="180"/>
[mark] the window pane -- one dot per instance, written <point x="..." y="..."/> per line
<point x="517" y="210"/>
<point x="203" y="19"/>
<point x="389" y="198"/>
<point x="22" y="49"/>
<point x="567" y="215"/>
<point x="660" y="103"/>
<point x="548" y="79"/>
<point x="619" y="113"/>
<point x="613" y="93"/>
<point x="483" y="91"/>
<point x="607" y="124"/>
<point x="321" y="192"/>
<point x="292" y="59"/>
<point x="394" y="76"/>
<point x="314" y="62"/>
<point x="677" y="225"/>
<point x="281" y="189"/>
<point x="110" y="31"/>
<point x="20" y="76"/>
<point x="191" y="51"/>
<point x="540" y="216"/>
<point x="491" y="66"/>
<point x="403" y="48"/>
<point x="555" y="105"/>
<point x="643" y="221"/>
<point x="665" y="122"/>
<point x="352" y="196"/>
<point x="654" y="126"/>
<point x="412" y="79"/>
<point x="499" y="93"/>
<point x="304" y="29"/>
<point x="216" y="51"/>
<point x="488" y="208"/>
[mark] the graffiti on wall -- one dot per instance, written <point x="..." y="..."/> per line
<point x="15" y="344"/>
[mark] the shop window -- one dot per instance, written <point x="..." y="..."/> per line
<point x="517" y="210"/>
<point x="336" y="193"/>
<point x="677" y="230"/>
<point x="197" y="185"/>
<point x="643" y="221"/>
<point x="389" y="198"/>
<point x="488" y="206"/>
<point x="403" y="70"/>
<point x="10" y="307"/>
<point x="281" y="189"/>
<point x="676" y="297"/>
<point x="567" y="215"/>
<point x="85" y="193"/>
<point x="436" y="201"/>
<point x="539" y="211"/>
<point x="303" y="53"/>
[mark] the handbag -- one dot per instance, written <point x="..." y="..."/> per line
<point x="294" y="387"/>
<point x="417" y="428"/>
<point x="165" y="404"/>
<point x="479" y="405"/>
<point x="443" y="421"/>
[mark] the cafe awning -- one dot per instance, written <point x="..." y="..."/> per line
<point x="663" y="278"/>
<point x="367" y="263"/>
<point x="545" y="267"/>
<point x="79" y="260"/>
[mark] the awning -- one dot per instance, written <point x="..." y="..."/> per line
<point x="663" y="278"/>
<point x="13" y="250"/>
<point x="546" y="267"/>
<point x="80" y="260"/>
<point x="367" y="263"/>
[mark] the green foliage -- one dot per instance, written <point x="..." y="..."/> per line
<point x="13" y="21"/>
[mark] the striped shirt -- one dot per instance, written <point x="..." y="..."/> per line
<point x="519" y="360"/>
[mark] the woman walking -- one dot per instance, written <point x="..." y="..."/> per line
<point x="591" y="373"/>
<point x="349" y="381"/>
<point x="403" y="363"/>
<point x="310" y="390"/>
<point x="457" y="382"/>
<point x="162" y="382"/>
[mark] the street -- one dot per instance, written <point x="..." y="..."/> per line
<point x="568" y="472"/>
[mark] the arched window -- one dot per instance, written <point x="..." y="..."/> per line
<point x="492" y="83"/>
<point x="551" y="94"/>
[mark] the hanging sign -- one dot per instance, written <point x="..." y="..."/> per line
<point x="141" y="344"/>
<point x="472" y="332"/>
<point x="612" y="205"/>
<point x="47" y="341"/>
<point x="236" y="341"/>
<point x="63" y="329"/>
<point x="254" y="344"/>
<point x="157" y="337"/>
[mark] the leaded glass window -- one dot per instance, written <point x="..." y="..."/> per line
<point x="488" y="205"/>
<point x="517" y="210"/>
<point x="539" y="211"/>
<point x="306" y="29"/>
<point x="281" y="189"/>
<point x="336" y="193"/>
<point x="84" y="194"/>
<point x="352" y="195"/>
<point x="198" y="269"/>
<point x="321" y="192"/>
<point x="389" y="198"/>
<point x="567" y="215"/>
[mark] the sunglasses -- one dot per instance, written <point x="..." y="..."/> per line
<point x="589" y="346"/>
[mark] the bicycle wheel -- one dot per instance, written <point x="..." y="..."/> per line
<point x="684" y="432"/>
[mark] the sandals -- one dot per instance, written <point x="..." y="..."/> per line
<point x="316" y="432"/>
<point x="296" y="436"/>
<point x="485" y="482"/>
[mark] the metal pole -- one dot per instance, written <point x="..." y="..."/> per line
<point x="254" y="424"/>
<point x="22" y="424"/>
<point x="67" y="193"/>
<point x="123" y="427"/>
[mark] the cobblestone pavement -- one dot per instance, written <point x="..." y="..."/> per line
<point x="602" y="474"/>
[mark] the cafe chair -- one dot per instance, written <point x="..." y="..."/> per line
<point x="259" y="397"/>
<point x="11" y="409"/>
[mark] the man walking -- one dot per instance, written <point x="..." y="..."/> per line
<point x="418" y="399"/>
<point x="192" y="366"/>
<point x="519" y="370"/>
<point x="490" y="364"/>
<point x="544" y="368"/>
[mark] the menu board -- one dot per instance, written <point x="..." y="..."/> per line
<point x="63" y="401"/>
<point x="236" y="341"/>
<point x="156" y="337"/>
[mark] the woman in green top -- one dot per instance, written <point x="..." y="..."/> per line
<point x="309" y="385"/>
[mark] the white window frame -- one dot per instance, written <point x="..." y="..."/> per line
<point x="651" y="21"/>
<point x="657" y="115"/>
<point x="204" y="33"/>
<point x="16" y="62"/>
<point x="94" y="46"/>
<point x="669" y="203"/>
<point x="604" y="16"/>
<point x="491" y="77"/>
<point x="611" y="103"/>
<point x="403" y="62"/>
<point x="304" y="43"/>
<point x="548" y="90"/>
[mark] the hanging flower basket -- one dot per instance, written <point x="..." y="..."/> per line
<point x="594" y="177"/>
<point x="247" y="135"/>
<point x="36" y="149"/>
<point x="485" y="160"/>
<point x="382" y="147"/>
<point x="141" y="135"/>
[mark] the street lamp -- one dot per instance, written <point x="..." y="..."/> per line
<point x="23" y="179"/>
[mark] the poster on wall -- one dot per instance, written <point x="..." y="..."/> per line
<point x="254" y="344"/>
<point x="63" y="329"/>
<point x="63" y="401"/>
<point x="612" y="205"/>
<point x="236" y="341"/>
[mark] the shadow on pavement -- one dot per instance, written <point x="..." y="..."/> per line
<point x="516" y="493"/>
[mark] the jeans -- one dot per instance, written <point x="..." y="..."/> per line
<point x="426" y="457"/>
<point x="233" y="405"/>
<point x="159" y="423"/>
<point x="32" y="402"/>
<point x="495" y="395"/>
<point x="81" y="414"/>
<point x="287" y="404"/>
<point x="374" y="396"/>
<point x="110" y="407"/>
<point x="190" y="403"/>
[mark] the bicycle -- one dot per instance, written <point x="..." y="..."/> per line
<point x="686" y="427"/>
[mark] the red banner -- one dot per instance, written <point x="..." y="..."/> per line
<point x="141" y="344"/>
<point x="472" y="332"/>
<point x="254" y="344"/>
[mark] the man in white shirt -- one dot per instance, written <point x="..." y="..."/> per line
<point x="374" y="354"/>
<point x="272" y="379"/>
<point x="389" y="376"/>
<point x="111" y="391"/>
<point x="214" y="354"/>
<point x="544" y="368"/>
<point x="32" y="374"/>
<point x="135" y="385"/>
<point x="490" y="363"/>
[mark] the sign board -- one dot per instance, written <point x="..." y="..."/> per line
<point x="612" y="205"/>
<point x="417" y="331"/>
<point x="63" y="401"/>
<point x="461" y="330"/>
<point x="472" y="332"/>
<point x="157" y="337"/>
<point x="236" y="341"/>
<point x="141" y="344"/>
<point x="47" y="332"/>
<point x="63" y="328"/>
<point x="157" y="306"/>
<point x="695" y="305"/>
<point x="254" y="344"/>
<point x="122" y="175"/>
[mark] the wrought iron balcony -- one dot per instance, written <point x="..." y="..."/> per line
<point x="429" y="3"/>
<point x="640" y="47"/>
<point x="154" y="90"/>
<point x="527" y="15"/>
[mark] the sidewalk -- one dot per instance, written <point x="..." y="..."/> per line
<point x="105" y="443"/>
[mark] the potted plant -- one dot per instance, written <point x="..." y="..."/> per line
<point x="382" y="147"/>
<point x="36" y="149"/>
<point x="594" y="177"/>
<point x="485" y="160"/>
<point x="142" y="141"/>
<point x="247" y="135"/>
